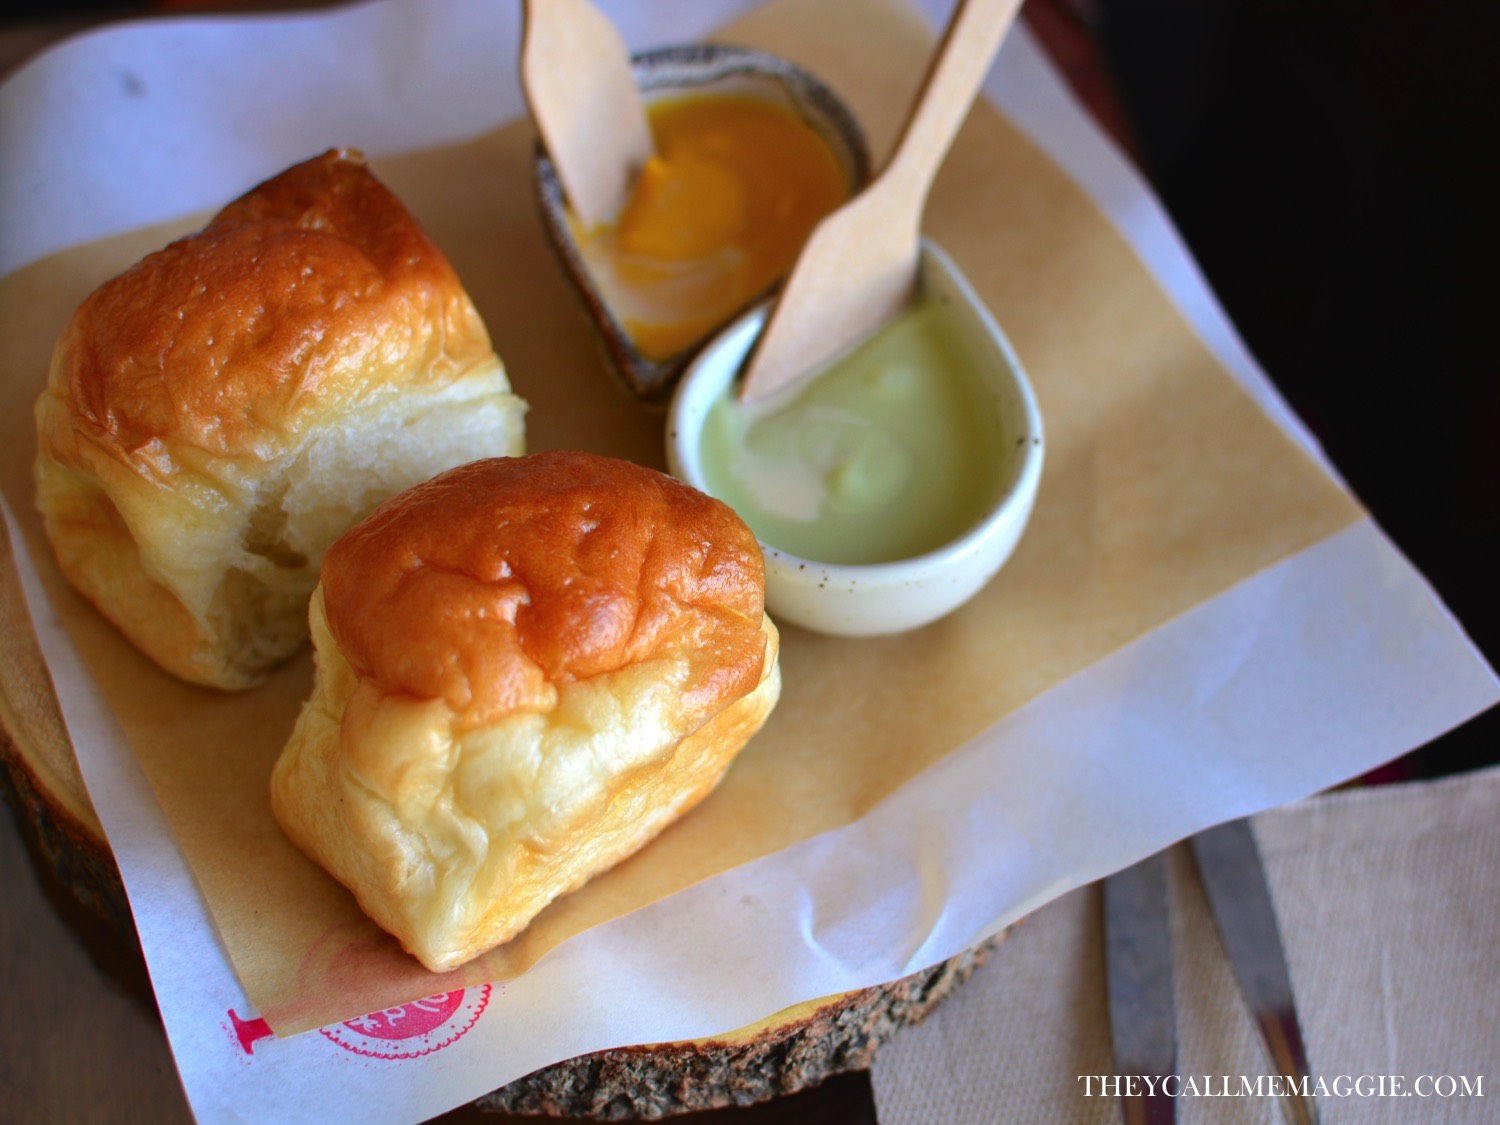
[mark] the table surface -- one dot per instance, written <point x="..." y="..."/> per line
<point x="80" y="1037"/>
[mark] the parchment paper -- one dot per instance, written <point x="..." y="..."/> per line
<point x="1194" y="601"/>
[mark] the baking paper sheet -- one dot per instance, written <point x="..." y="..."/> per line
<point x="1329" y="659"/>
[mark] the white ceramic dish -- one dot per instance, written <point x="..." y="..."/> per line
<point x="869" y="599"/>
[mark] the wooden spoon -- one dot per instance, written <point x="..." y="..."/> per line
<point x="575" y="69"/>
<point x="859" y="265"/>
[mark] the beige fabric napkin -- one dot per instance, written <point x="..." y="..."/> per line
<point x="1389" y="904"/>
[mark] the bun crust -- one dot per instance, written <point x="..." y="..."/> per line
<point x="201" y="404"/>
<point x="527" y="668"/>
<point x="496" y="584"/>
<point x="296" y="299"/>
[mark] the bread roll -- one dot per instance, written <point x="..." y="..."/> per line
<point x="526" y="669"/>
<point x="219" y="413"/>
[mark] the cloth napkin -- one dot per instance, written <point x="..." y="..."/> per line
<point x="1388" y="901"/>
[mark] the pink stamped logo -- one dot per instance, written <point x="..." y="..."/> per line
<point x="415" y="1029"/>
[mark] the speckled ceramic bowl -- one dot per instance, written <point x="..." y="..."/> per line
<point x="711" y="68"/>
<point x="868" y="599"/>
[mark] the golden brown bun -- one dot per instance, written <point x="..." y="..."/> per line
<point x="526" y="669"/>
<point x="219" y="413"/>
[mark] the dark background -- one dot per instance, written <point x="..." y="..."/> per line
<point x="1329" y="163"/>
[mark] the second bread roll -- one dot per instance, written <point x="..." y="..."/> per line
<point x="526" y="669"/>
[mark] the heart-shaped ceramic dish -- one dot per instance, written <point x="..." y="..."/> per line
<point x="710" y="68"/>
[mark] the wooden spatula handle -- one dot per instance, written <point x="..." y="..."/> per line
<point x="859" y="265"/>
<point x="575" y="69"/>
<point x="958" y="67"/>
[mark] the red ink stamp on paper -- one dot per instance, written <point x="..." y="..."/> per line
<point x="249" y="1031"/>
<point x="415" y="1029"/>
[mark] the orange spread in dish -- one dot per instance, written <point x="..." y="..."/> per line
<point x="716" y="217"/>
